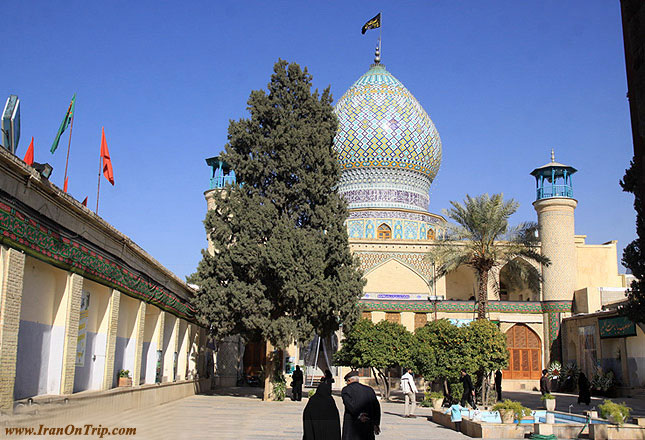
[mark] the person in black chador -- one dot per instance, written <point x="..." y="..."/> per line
<point x="362" y="417"/>
<point x="296" y="384"/>
<point x="320" y="418"/>
<point x="584" y="394"/>
<point x="327" y="377"/>
<point x="544" y="383"/>
<point x="498" y="385"/>
<point x="469" y="391"/>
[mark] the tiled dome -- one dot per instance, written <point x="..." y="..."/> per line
<point x="382" y="125"/>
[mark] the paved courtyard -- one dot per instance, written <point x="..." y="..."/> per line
<point x="240" y="414"/>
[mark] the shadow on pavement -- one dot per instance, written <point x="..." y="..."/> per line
<point x="249" y="392"/>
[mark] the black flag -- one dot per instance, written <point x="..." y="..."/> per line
<point x="372" y="24"/>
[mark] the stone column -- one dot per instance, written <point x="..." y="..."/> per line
<point x="113" y="324"/>
<point x="138" y="350"/>
<point x="13" y="269"/>
<point x="72" y="303"/>
<point x="174" y="344"/>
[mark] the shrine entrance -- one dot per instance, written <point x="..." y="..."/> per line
<point x="525" y="361"/>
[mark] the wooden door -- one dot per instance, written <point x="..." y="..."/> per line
<point x="525" y="361"/>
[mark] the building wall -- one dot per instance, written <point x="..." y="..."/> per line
<point x="89" y="376"/>
<point x="42" y="330"/>
<point x="597" y="266"/>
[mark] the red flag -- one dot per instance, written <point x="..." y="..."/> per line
<point x="65" y="185"/>
<point x="29" y="157"/>
<point x="107" y="163"/>
<point x="84" y="202"/>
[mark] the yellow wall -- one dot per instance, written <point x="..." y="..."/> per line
<point x="394" y="277"/>
<point x="97" y="320"/>
<point x="43" y="289"/>
<point x="597" y="266"/>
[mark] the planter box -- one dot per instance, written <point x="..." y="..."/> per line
<point x="550" y="404"/>
<point x="611" y="432"/>
<point x="443" y="419"/>
<point x="125" y="382"/>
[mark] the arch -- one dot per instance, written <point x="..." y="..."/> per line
<point x="394" y="277"/>
<point x="524" y="347"/>
<point x="511" y="285"/>
<point x="384" y="232"/>
<point x="461" y="284"/>
<point x="431" y="234"/>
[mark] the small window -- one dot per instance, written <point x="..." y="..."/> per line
<point x="420" y="320"/>
<point x="367" y="315"/>
<point x="431" y="234"/>
<point x="384" y="232"/>
<point x="394" y="317"/>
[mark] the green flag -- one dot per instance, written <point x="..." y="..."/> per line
<point x="66" y="121"/>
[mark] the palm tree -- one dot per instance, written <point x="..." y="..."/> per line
<point x="482" y="239"/>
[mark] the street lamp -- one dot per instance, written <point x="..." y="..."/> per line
<point x="435" y="299"/>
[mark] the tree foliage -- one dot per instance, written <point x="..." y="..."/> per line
<point x="443" y="349"/>
<point x="634" y="252"/>
<point x="281" y="270"/>
<point x="482" y="239"/>
<point x="377" y="346"/>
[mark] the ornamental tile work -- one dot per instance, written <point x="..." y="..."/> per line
<point x="401" y="229"/>
<point x="369" y="260"/>
<point x="372" y="214"/>
<point x="27" y="233"/>
<point x="466" y="306"/>
<point x="382" y="125"/>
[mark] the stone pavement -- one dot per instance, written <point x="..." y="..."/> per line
<point x="238" y="413"/>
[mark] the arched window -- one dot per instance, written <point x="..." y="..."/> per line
<point x="384" y="232"/>
<point x="431" y="234"/>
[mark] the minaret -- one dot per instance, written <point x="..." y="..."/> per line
<point x="555" y="207"/>
<point x="221" y="174"/>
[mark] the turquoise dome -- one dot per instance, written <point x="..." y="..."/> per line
<point x="382" y="125"/>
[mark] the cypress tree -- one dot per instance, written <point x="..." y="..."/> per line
<point x="281" y="270"/>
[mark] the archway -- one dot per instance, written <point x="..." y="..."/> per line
<point x="384" y="232"/>
<point x="513" y="285"/>
<point x="525" y="360"/>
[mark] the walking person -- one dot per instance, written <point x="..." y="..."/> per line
<point x="296" y="384"/>
<point x="468" y="395"/>
<point x="362" y="417"/>
<point x="410" y="392"/>
<point x="320" y="419"/>
<point x="544" y="383"/>
<point x="498" y="385"/>
<point x="328" y="377"/>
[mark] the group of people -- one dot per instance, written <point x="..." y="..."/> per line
<point x="362" y="418"/>
<point x="584" y="387"/>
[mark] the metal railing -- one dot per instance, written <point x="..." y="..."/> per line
<point x="554" y="191"/>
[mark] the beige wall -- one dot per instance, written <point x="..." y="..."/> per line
<point x="394" y="277"/>
<point x="597" y="266"/>
<point x="461" y="284"/>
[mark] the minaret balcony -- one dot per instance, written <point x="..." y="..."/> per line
<point x="554" y="191"/>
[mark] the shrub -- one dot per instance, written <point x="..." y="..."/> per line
<point x="618" y="411"/>
<point x="547" y="396"/>
<point x="602" y="381"/>
<point x="518" y="409"/>
<point x="124" y="373"/>
<point x="311" y="393"/>
<point x="279" y="384"/>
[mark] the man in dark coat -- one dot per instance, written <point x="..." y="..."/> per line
<point x="320" y="418"/>
<point x="544" y="383"/>
<point x="498" y="385"/>
<point x="468" y="395"/>
<point x="362" y="417"/>
<point x="297" y="379"/>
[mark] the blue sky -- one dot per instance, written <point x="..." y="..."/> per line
<point x="503" y="81"/>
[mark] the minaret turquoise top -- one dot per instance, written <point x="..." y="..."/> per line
<point x="221" y="172"/>
<point x="553" y="180"/>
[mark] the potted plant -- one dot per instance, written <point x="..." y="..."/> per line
<point x="616" y="413"/>
<point x="124" y="378"/>
<point x="549" y="401"/>
<point x="510" y="410"/>
<point x="436" y="399"/>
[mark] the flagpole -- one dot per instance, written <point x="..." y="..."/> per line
<point x="69" y="144"/>
<point x="98" y="187"/>
<point x="380" y="32"/>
